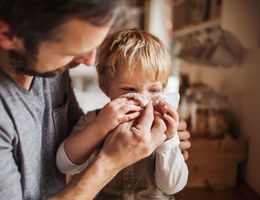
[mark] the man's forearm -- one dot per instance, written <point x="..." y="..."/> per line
<point x="87" y="184"/>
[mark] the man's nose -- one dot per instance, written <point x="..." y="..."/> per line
<point x="87" y="59"/>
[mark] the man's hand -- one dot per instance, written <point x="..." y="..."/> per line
<point x="184" y="136"/>
<point x="123" y="146"/>
<point x="127" y="143"/>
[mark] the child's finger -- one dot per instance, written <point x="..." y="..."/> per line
<point x="171" y="126"/>
<point x="132" y="102"/>
<point x="130" y="116"/>
<point x="128" y="108"/>
<point x="170" y="121"/>
<point x="124" y="101"/>
<point x="170" y="110"/>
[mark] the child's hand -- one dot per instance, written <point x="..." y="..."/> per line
<point x="171" y="117"/>
<point x="116" y="112"/>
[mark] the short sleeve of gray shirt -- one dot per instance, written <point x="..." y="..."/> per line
<point x="32" y="125"/>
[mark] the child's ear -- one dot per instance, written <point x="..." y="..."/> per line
<point x="6" y="38"/>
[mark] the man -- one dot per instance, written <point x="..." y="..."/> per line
<point x="39" y="41"/>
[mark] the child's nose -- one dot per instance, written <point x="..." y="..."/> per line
<point x="146" y="94"/>
<point x="88" y="59"/>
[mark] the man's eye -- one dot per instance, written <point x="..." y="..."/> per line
<point x="129" y="89"/>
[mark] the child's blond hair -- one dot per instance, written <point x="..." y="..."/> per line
<point x="129" y="48"/>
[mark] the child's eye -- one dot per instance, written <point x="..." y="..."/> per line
<point x="129" y="89"/>
<point x="155" y="90"/>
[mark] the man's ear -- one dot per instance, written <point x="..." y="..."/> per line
<point x="6" y="39"/>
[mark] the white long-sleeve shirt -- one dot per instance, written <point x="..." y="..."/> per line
<point x="170" y="172"/>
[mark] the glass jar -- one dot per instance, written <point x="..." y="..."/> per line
<point x="199" y="110"/>
<point x="206" y="112"/>
<point x="218" y="119"/>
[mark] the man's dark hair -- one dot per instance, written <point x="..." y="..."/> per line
<point x="37" y="20"/>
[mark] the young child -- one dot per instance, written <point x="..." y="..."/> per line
<point x="136" y="62"/>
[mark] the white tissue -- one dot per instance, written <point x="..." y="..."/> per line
<point x="171" y="98"/>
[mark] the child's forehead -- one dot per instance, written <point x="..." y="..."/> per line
<point x="126" y="71"/>
<point x="137" y="79"/>
<point x="140" y="70"/>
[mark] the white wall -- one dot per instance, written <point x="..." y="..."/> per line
<point x="242" y="84"/>
<point x="158" y="17"/>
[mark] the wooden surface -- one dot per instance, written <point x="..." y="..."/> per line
<point x="206" y="194"/>
<point x="213" y="163"/>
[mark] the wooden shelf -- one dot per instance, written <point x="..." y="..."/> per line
<point x="232" y="16"/>
<point x="198" y="27"/>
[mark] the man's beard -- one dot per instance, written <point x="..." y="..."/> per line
<point x="24" y="64"/>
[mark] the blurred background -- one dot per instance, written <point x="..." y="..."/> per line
<point x="215" y="49"/>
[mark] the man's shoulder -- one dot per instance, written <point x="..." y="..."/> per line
<point x="7" y="128"/>
<point x="6" y="82"/>
<point x="7" y="90"/>
<point x="6" y="100"/>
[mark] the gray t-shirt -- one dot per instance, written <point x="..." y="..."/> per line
<point x="32" y="125"/>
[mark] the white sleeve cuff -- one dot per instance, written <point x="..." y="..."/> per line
<point x="171" y="171"/>
<point x="64" y="165"/>
<point x="169" y="144"/>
